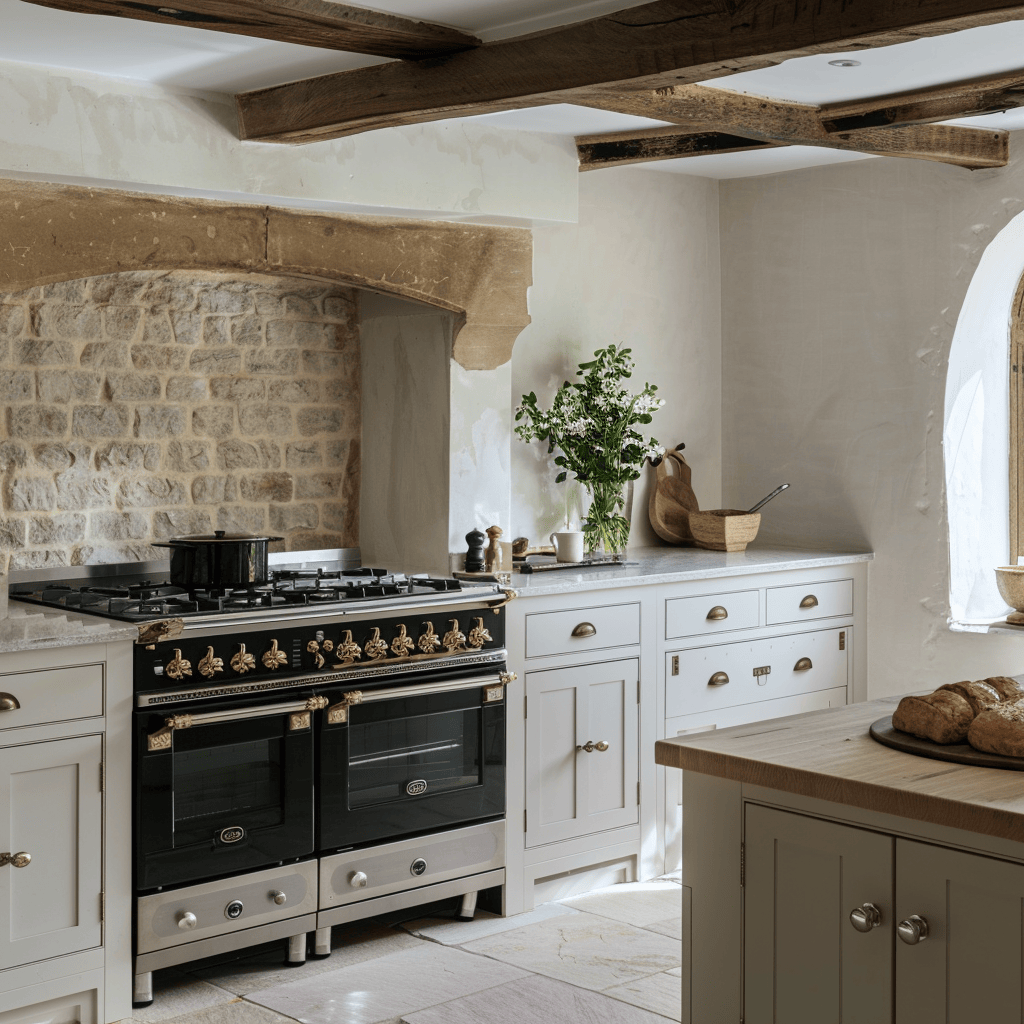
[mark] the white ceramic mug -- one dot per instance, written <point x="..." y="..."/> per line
<point x="568" y="545"/>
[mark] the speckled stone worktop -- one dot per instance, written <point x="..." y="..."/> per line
<point x="31" y="627"/>
<point x="675" y="565"/>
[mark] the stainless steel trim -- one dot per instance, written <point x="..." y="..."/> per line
<point x="409" y="898"/>
<point x="346" y="675"/>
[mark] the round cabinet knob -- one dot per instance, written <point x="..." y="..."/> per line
<point x="602" y="745"/>
<point x="280" y="898"/>
<point x="913" y="930"/>
<point x="21" y="860"/>
<point x="866" y="917"/>
<point x="187" y="920"/>
<point x="358" y="879"/>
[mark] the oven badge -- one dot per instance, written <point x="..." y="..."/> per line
<point x="416" y="787"/>
<point x="234" y="834"/>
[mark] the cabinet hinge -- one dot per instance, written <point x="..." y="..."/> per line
<point x="675" y="664"/>
<point x="743" y="865"/>
<point x="103" y="906"/>
<point x="103" y="777"/>
<point x="638" y="794"/>
<point x="524" y="821"/>
<point x="842" y="640"/>
<point x="638" y="691"/>
<point x="526" y="707"/>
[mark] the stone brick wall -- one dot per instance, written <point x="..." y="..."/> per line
<point x="142" y="406"/>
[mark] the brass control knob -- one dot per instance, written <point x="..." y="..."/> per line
<point x="866" y="917"/>
<point x="209" y="666"/>
<point x="274" y="659"/>
<point x="178" y="666"/>
<point x="187" y="920"/>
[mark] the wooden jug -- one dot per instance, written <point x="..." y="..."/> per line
<point x="672" y="501"/>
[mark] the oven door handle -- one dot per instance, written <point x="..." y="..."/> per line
<point x="493" y="687"/>
<point x="300" y="711"/>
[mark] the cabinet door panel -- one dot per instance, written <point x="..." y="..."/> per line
<point x="805" y="963"/>
<point x="969" y="969"/>
<point x="572" y="792"/>
<point x="51" y="808"/>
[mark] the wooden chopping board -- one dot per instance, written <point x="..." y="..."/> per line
<point x="672" y="500"/>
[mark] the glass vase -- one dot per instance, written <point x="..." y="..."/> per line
<point x="606" y="529"/>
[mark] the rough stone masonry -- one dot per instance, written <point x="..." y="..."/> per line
<point x="146" y="405"/>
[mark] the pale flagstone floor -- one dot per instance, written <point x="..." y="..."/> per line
<point x="612" y="956"/>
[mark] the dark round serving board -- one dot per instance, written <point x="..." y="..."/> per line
<point x="960" y="753"/>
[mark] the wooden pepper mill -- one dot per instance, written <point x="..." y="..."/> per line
<point x="475" y="554"/>
<point x="493" y="557"/>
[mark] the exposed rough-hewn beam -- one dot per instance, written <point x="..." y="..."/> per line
<point x="700" y="108"/>
<point x="331" y="26"/>
<point x="938" y="103"/>
<point x="618" y="149"/>
<point x="667" y="42"/>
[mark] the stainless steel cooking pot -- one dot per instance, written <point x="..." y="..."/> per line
<point x="224" y="560"/>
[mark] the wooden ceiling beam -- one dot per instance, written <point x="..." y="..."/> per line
<point x="330" y="26"/>
<point x="922" y="106"/>
<point x="664" y="43"/>
<point x="700" y="108"/>
<point x="620" y="149"/>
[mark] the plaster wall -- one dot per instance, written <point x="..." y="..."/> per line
<point x="842" y="287"/>
<point x="640" y="268"/>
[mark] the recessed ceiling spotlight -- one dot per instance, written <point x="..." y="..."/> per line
<point x="844" y="63"/>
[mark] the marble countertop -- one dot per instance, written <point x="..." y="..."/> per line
<point x="829" y="755"/>
<point x="673" y="565"/>
<point x="31" y="627"/>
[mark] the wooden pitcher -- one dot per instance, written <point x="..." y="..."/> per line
<point x="672" y="500"/>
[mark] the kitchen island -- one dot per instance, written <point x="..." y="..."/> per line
<point x="831" y="878"/>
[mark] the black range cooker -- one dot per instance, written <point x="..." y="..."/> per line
<point x="322" y="747"/>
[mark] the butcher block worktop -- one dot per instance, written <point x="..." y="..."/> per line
<point x="829" y="755"/>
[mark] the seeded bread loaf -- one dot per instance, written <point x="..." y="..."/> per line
<point x="980" y="695"/>
<point x="942" y="717"/>
<point x="1000" y="729"/>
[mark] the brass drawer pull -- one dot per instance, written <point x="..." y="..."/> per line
<point x="803" y="665"/>
<point x="584" y="629"/>
<point x="718" y="679"/>
<point x="590" y="746"/>
<point x="717" y="614"/>
<point x="16" y="860"/>
<point x="8" y="702"/>
<point x="810" y="601"/>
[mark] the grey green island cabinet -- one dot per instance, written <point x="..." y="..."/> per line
<point x="828" y="878"/>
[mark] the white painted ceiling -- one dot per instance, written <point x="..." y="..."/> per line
<point x="185" y="58"/>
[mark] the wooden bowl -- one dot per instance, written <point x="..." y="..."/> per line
<point x="724" y="529"/>
<point x="1010" y="580"/>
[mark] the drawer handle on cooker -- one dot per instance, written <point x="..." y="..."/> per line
<point x="590" y="746"/>
<point x="718" y="679"/>
<point x="810" y="601"/>
<point x="717" y="614"/>
<point x="8" y="702"/>
<point x="803" y="665"/>
<point x="584" y="629"/>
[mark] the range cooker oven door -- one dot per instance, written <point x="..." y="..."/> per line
<point x="222" y="788"/>
<point x="416" y="757"/>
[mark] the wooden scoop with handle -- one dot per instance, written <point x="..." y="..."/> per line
<point x="672" y="501"/>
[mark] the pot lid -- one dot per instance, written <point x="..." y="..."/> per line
<point x="221" y="537"/>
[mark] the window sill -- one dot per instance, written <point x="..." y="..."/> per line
<point x="1000" y="626"/>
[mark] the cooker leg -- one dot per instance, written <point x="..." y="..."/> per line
<point x="296" y="951"/>
<point x="468" y="908"/>
<point x="322" y="944"/>
<point x="142" y="994"/>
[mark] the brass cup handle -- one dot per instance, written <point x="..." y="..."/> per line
<point x="16" y="860"/>
<point x="866" y="917"/>
<point x="584" y="629"/>
<point x="718" y="679"/>
<point x="717" y="614"/>
<point x="590" y="746"/>
<point x="803" y="665"/>
<point x="913" y="930"/>
<point x="810" y="601"/>
<point x="8" y="702"/>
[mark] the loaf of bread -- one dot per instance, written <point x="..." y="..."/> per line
<point x="1009" y="689"/>
<point x="980" y="695"/>
<point x="1000" y="729"/>
<point x="942" y="717"/>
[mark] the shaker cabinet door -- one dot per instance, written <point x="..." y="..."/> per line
<point x="582" y="755"/>
<point x="51" y="808"/>
<point x="968" y="968"/>
<point x="804" y="960"/>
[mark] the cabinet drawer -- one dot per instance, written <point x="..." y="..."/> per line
<point x="801" y="663"/>
<point x="810" y="601"/>
<point x="711" y="613"/>
<point x="53" y="695"/>
<point x="585" y="629"/>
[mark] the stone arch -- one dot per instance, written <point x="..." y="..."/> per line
<point x="51" y="233"/>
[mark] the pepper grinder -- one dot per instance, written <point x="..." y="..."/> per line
<point x="475" y="555"/>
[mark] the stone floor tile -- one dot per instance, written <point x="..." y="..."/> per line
<point x="660" y="993"/>
<point x="375" y="990"/>
<point x="238" y="1012"/>
<point x="586" y="950"/>
<point x="534" y="1001"/>
<point x="673" y="927"/>
<point x="457" y="933"/>
<point x="637" y="903"/>
<point x="176" y="993"/>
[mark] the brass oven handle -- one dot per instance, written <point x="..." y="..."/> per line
<point x="8" y="702"/>
<point x="803" y="665"/>
<point x="718" y="679"/>
<point x="810" y="601"/>
<point x="584" y="629"/>
<point x="717" y="614"/>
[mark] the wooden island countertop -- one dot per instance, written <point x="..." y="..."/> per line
<point x="830" y="756"/>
